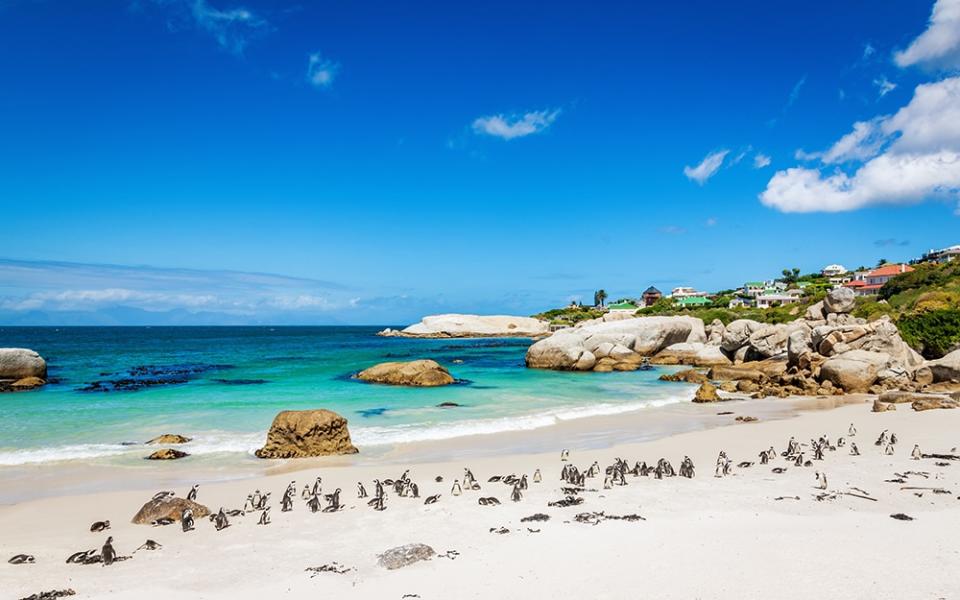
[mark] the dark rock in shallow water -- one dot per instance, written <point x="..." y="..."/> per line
<point x="169" y="438"/>
<point x="167" y="454"/>
<point x="144" y="376"/>
<point x="241" y="381"/>
<point x="448" y="405"/>
<point x="372" y="412"/>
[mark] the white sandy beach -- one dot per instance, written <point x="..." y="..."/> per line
<point x="702" y="538"/>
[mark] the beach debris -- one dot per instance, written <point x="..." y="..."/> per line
<point x="22" y="559"/>
<point x="402" y="556"/>
<point x="499" y="530"/>
<point x="901" y="517"/>
<point x="51" y="595"/>
<point x="333" y="567"/>
<point x="100" y="526"/>
<point x="567" y="501"/>
<point x="535" y="517"/>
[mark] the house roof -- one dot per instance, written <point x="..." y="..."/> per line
<point x="889" y="270"/>
<point x="692" y="300"/>
<point x="622" y="306"/>
<point x="856" y="283"/>
<point x="652" y="290"/>
<point x="754" y="284"/>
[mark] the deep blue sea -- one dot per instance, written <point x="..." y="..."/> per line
<point x="112" y="388"/>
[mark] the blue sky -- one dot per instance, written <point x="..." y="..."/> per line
<point x="382" y="160"/>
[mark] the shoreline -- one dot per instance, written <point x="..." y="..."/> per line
<point x="643" y="423"/>
<point x="720" y="526"/>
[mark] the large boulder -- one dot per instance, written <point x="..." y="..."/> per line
<point x="614" y="345"/>
<point x="736" y="373"/>
<point x="799" y="344"/>
<point x="770" y="341"/>
<point x="934" y="402"/>
<point x="706" y="393"/>
<point x="169" y="438"/>
<point x="402" y="556"/>
<point x="714" y="332"/>
<point x="168" y="507"/>
<point x="854" y="371"/>
<point x="167" y="454"/>
<point x="695" y="353"/>
<point x="419" y="373"/>
<point x="946" y="368"/>
<point x="839" y="300"/>
<point x="456" y="326"/>
<point x="20" y="363"/>
<point x="303" y="433"/>
<point x="815" y="312"/>
<point x="686" y="376"/>
<point x="737" y="334"/>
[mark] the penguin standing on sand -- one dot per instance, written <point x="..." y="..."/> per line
<point x="517" y="495"/>
<point x="916" y="454"/>
<point x="108" y="553"/>
<point x="286" y="503"/>
<point x="854" y="451"/>
<point x="456" y="490"/>
<point x="264" y="517"/>
<point x="305" y="494"/>
<point x="192" y="494"/>
<point x="186" y="520"/>
<point x="564" y="455"/>
<point x="314" y="504"/>
<point x="361" y="491"/>
<point x="220" y="521"/>
<point x="852" y="431"/>
<point x="536" y="476"/>
<point x="821" y="480"/>
<point x="255" y="499"/>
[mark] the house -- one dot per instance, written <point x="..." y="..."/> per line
<point x="754" y="288"/>
<point x="833" y="271"/>
<point x="944" y="255"/>
<point x="871" y="281"/>
<point x="650" y="296"/>
<point x="683" y="292"/>
<point x="622" y="307"/>
<point x="739" y="302"/>
<point x="691" y="302"/>
<point x="776" y="299"/>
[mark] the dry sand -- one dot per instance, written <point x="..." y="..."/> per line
<point x="705" y="537"/>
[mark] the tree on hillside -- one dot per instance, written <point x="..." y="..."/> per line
<point x="881" y="262"/>
<point x="599" y="297"/>
<point x="790" y="275"/>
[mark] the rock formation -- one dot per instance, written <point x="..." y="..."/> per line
<point x="946" y="369"/>
<point x="614" y="345"/>
<point x="303" y="433"/>
<point x="458" y="326"/>
<point x="169" y="438"/>
<point x="21" y="369"/>
<point x="403" y="556"/>
<point x="706" y="393"/>
<point x="168" y="507"/>
<point x="167" y="454"/>
<point x="420" y="373"/>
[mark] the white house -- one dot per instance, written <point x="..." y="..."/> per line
<point x="833" y="271"/>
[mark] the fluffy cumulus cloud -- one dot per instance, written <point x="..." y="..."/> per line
<point x="508" y="127"/>
<point x="939" y="45"/>
<point x="902" y="158"/>
<point x="707" y="168"/>
<point x="321" y="71"/>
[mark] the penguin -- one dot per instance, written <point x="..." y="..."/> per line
<point x="916" y="454"/>
<point x="821" y="480"/>
<point x="305" y="494"/>
<point x="456" y="491"/>
<point x="721" y="462"/>
<point x="192" y="494"/>
<point x="414" y="490"/>
<point x="841" y="442"/>
<point x="163" y="521"/>
<point x="22" y="559"/>
<point x="432" y="499"/>
<point x="100" y="526"/>
<point x="852" y="431"/>
<point x="893" y="438"/>
<point x="517" y="495"/>
<point x="286" y="503"/>
<point x="763" y="457"/>
<point x="264" y="517"/>
<point x="882" y="439"/>
<point x="148" y="545"/>
<point x="333" y="501"/>
<point x="186" y="520"/>
<point x="607" y="482"/>
<point x="888" y="450"/>
<point x="255" y="499"/>
<point x="220" y="520"/>
<point x="314" y="504"/>
<point x="854" y="451"/>
<point x="798" y="461"/>
<point x="378" y="503"/>
<point x="249" y="506"/>
<point x="536" y="476"/>
<point x="564" y="455"/>
<point x="162" y="495"/>
<point x="377" y="489"/>
<point x="317" y="486"/>
<point x="108" y="553"/>
<point x="79" y="557"/>
<point x="361" y="491"/>
<point x="263" y="501"/>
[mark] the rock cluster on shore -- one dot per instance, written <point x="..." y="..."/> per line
<point x="416" y="373"/>
<point x="21" y="369"/>
<point x="827" y="351"/>
<point x="305" y="433"/>
<point x="457" y="326"/>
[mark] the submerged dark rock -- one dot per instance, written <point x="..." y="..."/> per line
<point x="448" y="405"/>
<point x="242" y="381"/>
<point x="143" y="376"/>
<point x="372" y="412"/>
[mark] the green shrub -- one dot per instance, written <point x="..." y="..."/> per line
<point x="932" y="333"/>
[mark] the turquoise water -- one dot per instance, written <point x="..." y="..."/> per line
<point x="292" y="368"/>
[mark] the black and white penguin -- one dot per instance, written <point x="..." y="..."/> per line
<point x="852" y="431"/>
<point x="432" y="499"/>
<point x="456" y="490"/>
<point x="107" y="552"/>
<point x="100" y="526"/>
<point x="516" y="495"/>
<point x="854" y="451"/>
<point x="317" y="486"/>
<point x="564" y="455"/>
<point x="23" y="559"/>
<point x="286" y="503"/>
<point x="186" y="519"/>
<point x="537" y="478"/>
<point x="361" y="491"/>
<point x="821" y="480"/>
<point x="264" y="517"/>
<point x="916" y="454"/>
<point x="192" y="494"/>
<point x="255" y="499"/>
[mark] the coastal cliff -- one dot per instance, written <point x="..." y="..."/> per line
<point x="467" y="326"/>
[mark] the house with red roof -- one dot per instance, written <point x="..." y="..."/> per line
<point x="870" y="282"/>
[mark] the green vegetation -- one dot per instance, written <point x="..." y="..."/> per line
<point x="570" y="315"/>
<point x="598" y="297"/>
<point x="719" y="310"/>
<point x="932" y="333"/>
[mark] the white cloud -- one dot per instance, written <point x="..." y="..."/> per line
<point x="939" y="45"/>
<point x="760" y="161"/>
<point x="903" y="158"/>
<point x="795" y="92"/>
<point x="711" y="222"/>
<point x="868" y="50"/>
<point x="707" y="167"/>
<point x="886" y="86"/>
<point x="513" y="126"/>
<point x="232" y="28"/>
<point x="321" y="71"/>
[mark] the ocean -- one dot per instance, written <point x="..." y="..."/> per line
<point x="112" y="388"/>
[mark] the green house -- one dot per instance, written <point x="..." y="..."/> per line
<point x="622" y="306"/>
<point x="691" y="302"/>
